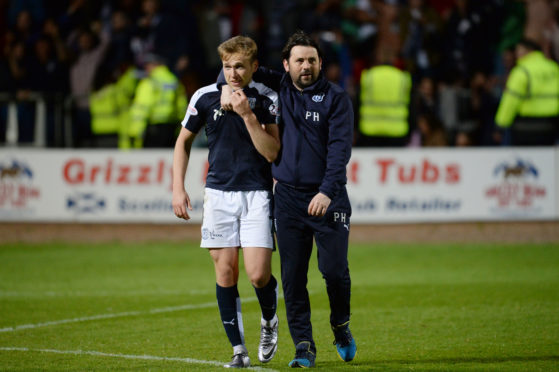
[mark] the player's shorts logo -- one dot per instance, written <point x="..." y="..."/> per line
<point x="207" y="234"/>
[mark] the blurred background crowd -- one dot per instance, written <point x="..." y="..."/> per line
<point x="104" y="73"/>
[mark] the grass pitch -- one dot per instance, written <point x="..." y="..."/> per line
<point x="152" y="306"/>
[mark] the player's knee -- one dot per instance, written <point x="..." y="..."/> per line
<point x="227" y="275"/>
<point x="259" y="279"/>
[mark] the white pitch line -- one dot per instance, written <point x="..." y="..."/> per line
<point x="115" y="315"/>
<point x="40" y="294"/>
<point x="127" y="356"/>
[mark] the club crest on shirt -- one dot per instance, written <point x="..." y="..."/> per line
<point x="318" y="97"/>
<point x="252" y="102"/>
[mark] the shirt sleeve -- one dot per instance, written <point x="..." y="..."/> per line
<point x="194" y="117"/>
<point x="513" y="95"/>
<point x="270" y="107"/>
<point x="340" y="141"/>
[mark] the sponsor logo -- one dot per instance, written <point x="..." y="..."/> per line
<point x="16" y="185"/>
<point x="155" y="205"/>
<point x="274" y="109"/>
<point x="81" y="171"/>
<point x="425" y="172"/>
<point x="252" y="102"/>
<point x="143" y="206"/>
<point x="318" y="97"/>
<point x="207" y="234"/>
<point x="86" y="202"/>
<point x="365" y="205"/>
<point x="219" y="112"/>
<point x="231" y="322"/>
<point x="192" y="110"/>
<point x="16" y="170"/>
<point x="518" y="186"/>
<point x="427" y="205"/>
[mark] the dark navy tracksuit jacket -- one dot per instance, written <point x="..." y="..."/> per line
<point x="316" y="128"/>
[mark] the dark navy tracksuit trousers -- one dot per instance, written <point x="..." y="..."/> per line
<point x="295" y="231"/>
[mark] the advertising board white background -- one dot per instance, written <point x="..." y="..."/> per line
<point x="385" y="185"/>
<point x="452" y="184"/>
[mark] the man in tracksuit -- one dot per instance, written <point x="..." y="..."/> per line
<point x="310" y="197"/>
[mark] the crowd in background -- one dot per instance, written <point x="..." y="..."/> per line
<point x="458" y="52"/>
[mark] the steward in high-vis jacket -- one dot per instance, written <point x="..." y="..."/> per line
<point x="530" y="103"/>
<point x="158" y="106"/>
<point x="384" y="108"/>
<point x="109" y="105"/>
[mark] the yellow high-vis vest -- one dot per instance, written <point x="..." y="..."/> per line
<point x="532" y="90"/>
<point x="160" y="99"/>
<point x="385" y="98"/>
<point x="110" y="107"/>
<point x="105" y="108"/>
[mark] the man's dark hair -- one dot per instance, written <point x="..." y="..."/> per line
<point x="299" y="38"/>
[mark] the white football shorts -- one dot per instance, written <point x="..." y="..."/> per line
<point x="236" y="218"/>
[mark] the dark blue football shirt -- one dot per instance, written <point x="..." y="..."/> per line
<point x="235" y="164"/>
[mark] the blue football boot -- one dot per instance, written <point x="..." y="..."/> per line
<point x="345" y="343"/>
<point x="304" y="356"/>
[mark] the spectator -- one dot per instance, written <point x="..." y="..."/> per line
<point x="420" y="34"/>
<point x="426" y="99"/>
<point x="431" y="130"/>
<point x="91" y="46"/>
<point x="464" y="139"/>
<point x="157" y="33"/>
<point x="49" y="77"/>
<point x="530" y="104"/>
<point x="119" y="51"/>
<point x="34" y="10"/>
<point x="484" y="106"/>
<point x="16" y="76"/>
<point x="465" y="46"/>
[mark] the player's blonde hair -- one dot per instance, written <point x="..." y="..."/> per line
<point x="238" y="44"/>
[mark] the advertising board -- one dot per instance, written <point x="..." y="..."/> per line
<point x="384" y="185"/>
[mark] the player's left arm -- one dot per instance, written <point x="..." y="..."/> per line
<point x="266" y="137"/>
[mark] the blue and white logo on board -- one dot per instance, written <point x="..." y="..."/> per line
<point x="87" y="202"/>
